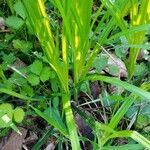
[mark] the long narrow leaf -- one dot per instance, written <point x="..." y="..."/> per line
<point x="14" y="94"/>
<point x="125" y="147"/>
<point x="132" y="134"/>
<point x="42" y="140"/>
<point x="51" y="121"/>
<point x="122" y="84"/>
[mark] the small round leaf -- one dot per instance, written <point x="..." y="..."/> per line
<point x="18" y="115"/>
<point x="33" y="79"/>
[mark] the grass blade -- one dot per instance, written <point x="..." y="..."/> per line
<point x="38" y="19"/>
<point x="119" y="115"/>
<point x="138" y="17"/>
<point x="132" y="134"/>
<point x="125" y="147"/>
<point x="121" y="112"/>
<point x="130" y="31"/>
<point x="42" y="140"/>
<point x="20" y="96"/>
<point x="125" y="85"/>
<point x="51" y="121"/>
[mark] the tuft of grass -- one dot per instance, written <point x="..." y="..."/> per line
<point x="139" y="14"/>
<point x="36" y="11"/>
<point x="77" y="42"/>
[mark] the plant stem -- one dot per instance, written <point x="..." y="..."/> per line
<point x="70" y="121"/>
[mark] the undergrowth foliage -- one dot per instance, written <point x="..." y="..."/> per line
<point x="72" y="46"/>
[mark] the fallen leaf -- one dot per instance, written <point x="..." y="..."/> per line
<point x="31" y="139"/>
<point x="15" y="140"/>
<point x="50" y="146"/>
<point x="121" y="66"/>
<point x="95" y="89"/>
<point x="115" y="61"/>
<point x="143" y="54"/>
<point x="18" y="64"/>
<point x="84" y="129"/>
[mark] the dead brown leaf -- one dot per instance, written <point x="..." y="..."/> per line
<point x="15" y="140"/>
<point x="31" y="139"/>
<point x="50" y="146"/>
<point x="120" y="64"/>
<point x="95" y="89"/>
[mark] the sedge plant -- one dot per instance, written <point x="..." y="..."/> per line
<point x="78" y="28"/>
